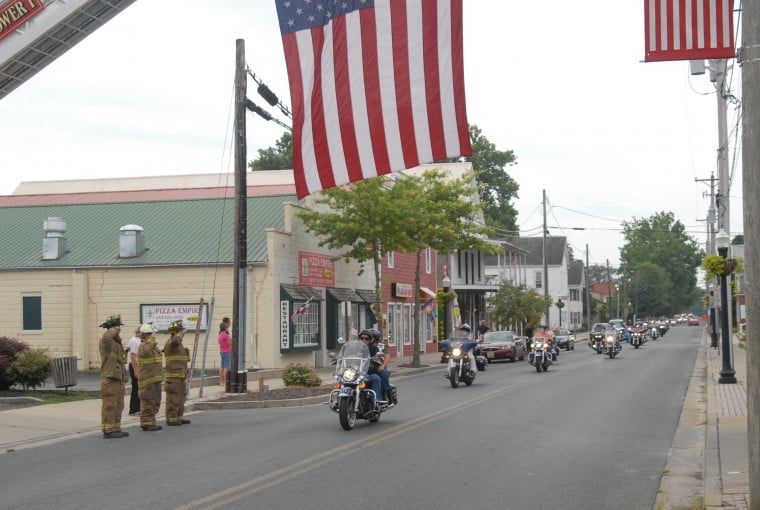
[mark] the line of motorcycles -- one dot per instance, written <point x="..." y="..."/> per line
<point x="353" y="397"/>
<point x="609" y="341"/>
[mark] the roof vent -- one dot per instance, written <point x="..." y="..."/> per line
<point x="53" y="244"/>
<point x="131" y="241"/>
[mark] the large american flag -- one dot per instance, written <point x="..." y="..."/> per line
<point x="688" y="29"/>
<point x="376" y="86"/>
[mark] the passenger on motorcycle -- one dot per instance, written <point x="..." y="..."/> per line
<point x="378" y="375"/>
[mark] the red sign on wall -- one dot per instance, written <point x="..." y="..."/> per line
<point x="316" y="269"/>
<point x="16" y="13"/>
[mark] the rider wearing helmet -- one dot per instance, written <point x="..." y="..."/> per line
<point x="371" y="337"/>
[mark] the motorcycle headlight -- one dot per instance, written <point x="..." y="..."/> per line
<point x="610" y="339"/>
<point x="456" y="351"/>
<point x="539" y="345"/>
<point x="349" y="374"/>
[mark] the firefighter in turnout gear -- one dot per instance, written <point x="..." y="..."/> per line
<point x="113" y="377"/>
<point x="149" y="361"/>
<point x="177" y="357"/>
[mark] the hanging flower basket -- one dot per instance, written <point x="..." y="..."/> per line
<point x="729" y="266"/>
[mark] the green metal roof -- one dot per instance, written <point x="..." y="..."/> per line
<point x="182" y="232"/>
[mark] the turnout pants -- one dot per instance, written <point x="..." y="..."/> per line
<point x="175" y="399"/>
<point x="112" y="404"/>
<point x="150" y="401"/>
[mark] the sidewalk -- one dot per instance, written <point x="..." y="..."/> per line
<point x="708" y="462"/>
<point x="727" y="480"/>
<point x="31" y="426"/>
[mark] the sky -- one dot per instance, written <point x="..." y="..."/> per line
<point x="561" y="84"/>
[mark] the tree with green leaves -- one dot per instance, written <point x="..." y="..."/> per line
<point x="660" y="241"/>
<point x="362" y="221"/>
<point x="279" y="157"/>
<point x="439" y="216"/>
<point x="517" y="306"/>
<point x="402" y="213"/>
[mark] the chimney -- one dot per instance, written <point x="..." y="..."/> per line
<point x="53" y="244"/>
<point x="131" y="241"/>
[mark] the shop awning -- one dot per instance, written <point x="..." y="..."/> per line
<point x="345" y="295"/>
<point x="425" y="290"/>
<point x="302" y="293"/>
<point x="368" y="296"/>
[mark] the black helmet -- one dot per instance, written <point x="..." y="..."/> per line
<point x="111" y="321"/>
<point x="372" y="333"/>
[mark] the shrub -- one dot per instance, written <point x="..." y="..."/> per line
<point x="9" y="349"/>
<point x="31" y="368"/>
<point x="300" y="374"/>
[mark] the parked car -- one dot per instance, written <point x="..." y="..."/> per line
<point x="502" y="345"/>
<point x="565" y="339"/>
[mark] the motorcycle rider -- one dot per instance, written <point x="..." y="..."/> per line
<point x="367" y="337"/>
<point x="381" y="368"/>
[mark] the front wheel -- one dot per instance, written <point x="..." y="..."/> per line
<point x="538" y="367"/>
<point x="347" y="413"/>
<point x="454" y="377"/>
<point x="612" y="353"/>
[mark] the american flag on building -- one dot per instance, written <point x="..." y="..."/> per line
<point x="376" y="86"/>
<point x="688" y="29"/>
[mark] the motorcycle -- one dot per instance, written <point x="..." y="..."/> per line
<point x="540" y="355"/>
<point x="611" y="346"/>
<point x="353" y="397"/>
<point x="463" y="364"/>
<point x="636" y="339"/>
<point x="595" y="340"/>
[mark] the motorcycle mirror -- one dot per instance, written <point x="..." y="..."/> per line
<point x="340" y="340"/>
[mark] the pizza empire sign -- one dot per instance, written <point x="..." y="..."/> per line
<point x="15" y="14"/>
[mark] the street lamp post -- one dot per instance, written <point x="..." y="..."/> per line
<point x="713" y="322"/>
<point x="727" y="374"/>
<point x="560" y="305"/>
<point x="617" y="291"/>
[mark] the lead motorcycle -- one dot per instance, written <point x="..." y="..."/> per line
<point x="353" y="397"/>
<point x="462" y="362"/>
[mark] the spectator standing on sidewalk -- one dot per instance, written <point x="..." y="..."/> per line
<point x="177" y="357"/>
<point x="150" y="363"/>
<point x="113" y="376"/>
<point x="225" y="349"/>
<point x="134" y="398"/>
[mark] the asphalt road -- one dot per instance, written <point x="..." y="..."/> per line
<point x="591" y="433"/>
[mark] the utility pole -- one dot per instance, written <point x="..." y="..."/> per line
<point x="609" y="289"/>
<point x="718" y="76"/>
<point x="237" y="382"/>
<point x="546" y="267"/>
<point x="588" y="296"/>
<point x="749" y="59"/>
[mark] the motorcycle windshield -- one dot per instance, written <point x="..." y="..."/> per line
<point x="355" y="355"/>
